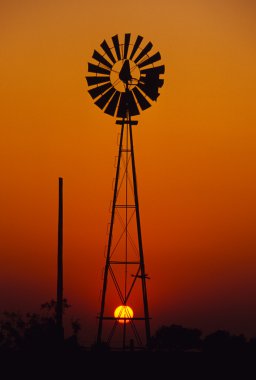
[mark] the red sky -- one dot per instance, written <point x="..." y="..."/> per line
<point x="195" y="154"/>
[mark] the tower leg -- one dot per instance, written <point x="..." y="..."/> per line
<point x="99" y="337"/>
<point x="142" y="265"/>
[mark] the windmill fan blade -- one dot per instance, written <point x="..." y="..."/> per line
<point x="136" y="46"/>
<point x="97" y="69"/>
<point x="127" y="38"/>
<point x="156" y="57"/>
<point x="132" y="105"/>
<point x="102" y="101"/>
<point x="101" y="59"/>
<point x="158" y="69"/>
<point x="117" y="47"/>
<point x="121" y="112"/>
<point x="95" y="92"/>
<point x="150" y="82"/>
<point x="146" y="49"/>
<point x="151" y="79"/>
<point x="149" y="90"/>
<point x="127" y="101"/>
<point x="144" y="104"/>
<point x="112" y="105"/>
<point x="154" y="81"/>
<point x="96" y="80"/>
<point x="107" y="50"/>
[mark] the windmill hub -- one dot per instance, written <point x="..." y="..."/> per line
<point x="124" y="72"/>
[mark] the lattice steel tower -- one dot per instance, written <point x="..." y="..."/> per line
<point x="124" y="81"/>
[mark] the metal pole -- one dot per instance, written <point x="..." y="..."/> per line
<point x="59" y="306"/>
<point x="124" y="335"/>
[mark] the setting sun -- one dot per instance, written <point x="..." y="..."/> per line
<point x="123" y="313"/>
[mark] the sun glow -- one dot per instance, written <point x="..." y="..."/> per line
<point x="123" y="313"/>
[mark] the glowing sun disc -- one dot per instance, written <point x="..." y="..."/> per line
<point x="122" y="312"/>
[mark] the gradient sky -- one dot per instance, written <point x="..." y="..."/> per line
<point x="195" y="153"/>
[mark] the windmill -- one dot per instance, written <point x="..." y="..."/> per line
<point x="123" y="81"/>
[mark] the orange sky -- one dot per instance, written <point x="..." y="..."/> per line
<point x="195" y="154"/>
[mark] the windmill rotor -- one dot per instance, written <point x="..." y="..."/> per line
<point x="125" y="76"/>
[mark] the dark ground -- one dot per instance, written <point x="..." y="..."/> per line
<point x="127" y="365"/>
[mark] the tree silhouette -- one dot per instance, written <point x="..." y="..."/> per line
<point x="35" y="332"/>
<point x="222" y="341"/>
<point x="176" y="338"/>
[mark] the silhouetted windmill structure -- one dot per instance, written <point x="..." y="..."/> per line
<point x="124" y="82"/>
